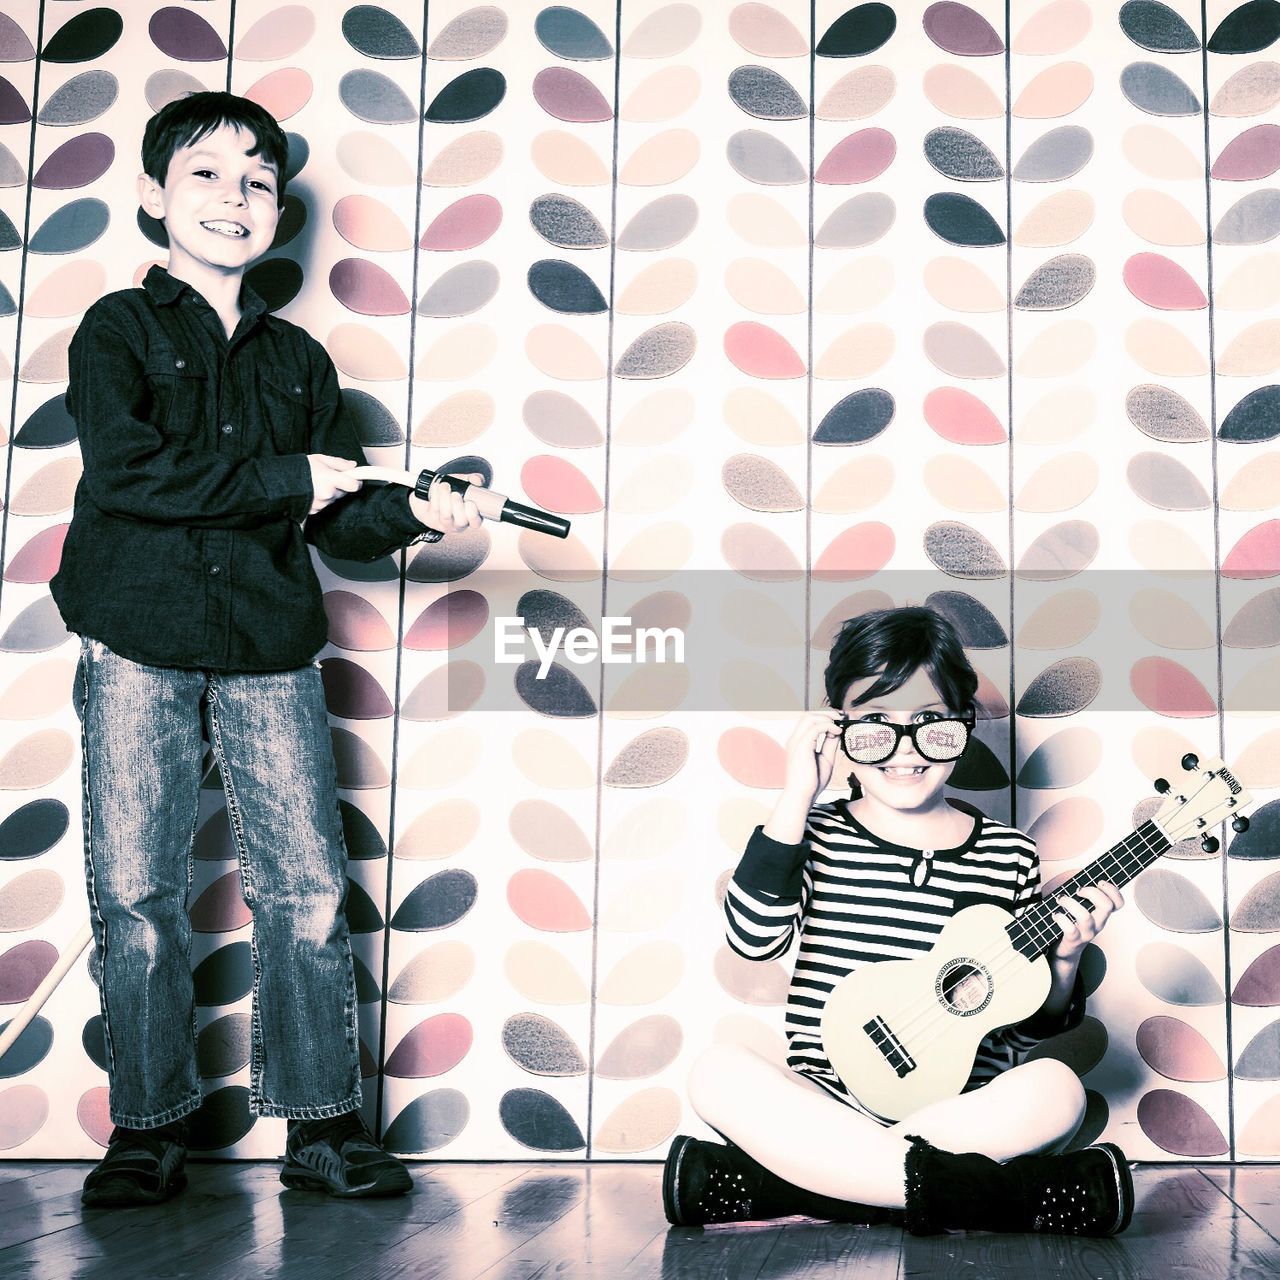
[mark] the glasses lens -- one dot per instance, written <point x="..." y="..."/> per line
<point x="942" y="739"/>
<point x="869" y="743"/>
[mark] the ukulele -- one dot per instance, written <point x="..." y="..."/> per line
<point x="904" y="1033"/>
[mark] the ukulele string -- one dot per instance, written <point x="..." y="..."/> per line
<point x="927" y="1012"/>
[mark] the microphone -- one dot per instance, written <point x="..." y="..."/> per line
<point x="490" y="504"/>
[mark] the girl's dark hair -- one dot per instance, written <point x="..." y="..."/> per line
<point x="186" y="120"/>
<point x="895" y="643"/>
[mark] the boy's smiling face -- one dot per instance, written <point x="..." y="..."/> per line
<point x="218" y="204"/>
<point x="905" y="781"/>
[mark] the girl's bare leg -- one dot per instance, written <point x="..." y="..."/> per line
<point x="794" y="1128"/>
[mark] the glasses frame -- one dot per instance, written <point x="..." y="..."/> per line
<point x="911" y="731"/>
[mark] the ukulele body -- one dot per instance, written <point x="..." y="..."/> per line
<point x="903" y="1033"/>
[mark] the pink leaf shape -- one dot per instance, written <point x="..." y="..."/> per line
<point x="1252" y="155"/>
<point x="1178" y="1051"/>
<point x="752" y="758"/>
<point x="449" y="622"/>
<point x="433" y="1047"/>
<point x="355" y="624"/>
<point x="761" y="352"/>
<point x="569" y="95"/>
<point x="284" y="93"/>
<point x="1160" y="282"/>
<point x="364" y="287"/>
<point x="1168" y="688"/>
<point x="544" y="901"/>
<point x="856" y="553"/>
<point x="960" y="30"/>
<point x="464" y="224"/>
<point x="860" y="157"/>
<point x="1176" y="1123"/>
<point x="38" y="561"/>
<point x="1256" y="555"/>
<point x="559" y="486"/>
<point x="959" y="416"/>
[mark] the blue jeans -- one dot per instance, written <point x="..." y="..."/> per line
<point x="141" y="731"/>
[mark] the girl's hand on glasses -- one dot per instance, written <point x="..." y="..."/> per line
<point x="811" y="753"/>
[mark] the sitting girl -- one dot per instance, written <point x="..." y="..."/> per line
<point x="876" y="877"/>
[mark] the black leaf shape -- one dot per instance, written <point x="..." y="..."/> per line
<point x="1253" y="418"/>
<point x="862" y="30"/>
<point x="959" y="219"/>
<point x="1251" y="27"/>
<point x="858" y="417"/>
<point x="565" y="288"/>
<point x="471" y="96"/>
<point x="1155" y="26"/>
<point x="86" y="36"/>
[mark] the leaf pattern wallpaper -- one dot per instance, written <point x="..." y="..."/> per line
<point x="795" y="309"/>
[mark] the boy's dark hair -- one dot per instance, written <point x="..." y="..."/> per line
<point x="186" y="120"/>
<point x="896" y="643"/>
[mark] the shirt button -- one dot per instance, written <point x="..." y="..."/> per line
<point x="297" y="391"/>
<point x="227" y="428"/>
<point x="215" y="569"/>
<point x="179" y="364"/>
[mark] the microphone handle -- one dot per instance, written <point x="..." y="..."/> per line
<point x="495" y="506"/>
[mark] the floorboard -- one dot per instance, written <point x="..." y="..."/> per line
<point x="565" y="1221"/>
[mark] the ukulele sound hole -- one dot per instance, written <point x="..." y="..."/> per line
<point x="964" y="986"/>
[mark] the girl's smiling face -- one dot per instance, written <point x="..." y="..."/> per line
<point x="906" y="781"/>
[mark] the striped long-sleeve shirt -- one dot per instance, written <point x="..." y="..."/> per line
<point x="852" y="899"/>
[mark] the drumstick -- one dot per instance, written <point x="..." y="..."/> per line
<point x="62" y="966"/>
<point x="35" y="1002"/>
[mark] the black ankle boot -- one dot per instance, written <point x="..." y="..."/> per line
<point x="707" y="1182"/>
<point x="1082" y="1193"/>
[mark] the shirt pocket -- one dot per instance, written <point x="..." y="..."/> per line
<point x="177" y="388"/>
<point x="286" y="406"/>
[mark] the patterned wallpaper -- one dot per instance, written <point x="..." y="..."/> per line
<point x="794" y="310"/>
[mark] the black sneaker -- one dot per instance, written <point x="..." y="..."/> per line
<point x="340" y="1157"/>
<point x="142" y="1166"/>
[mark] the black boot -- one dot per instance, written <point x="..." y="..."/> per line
<point x="707" y="1182"/>
<point x="1082" y="1193"/>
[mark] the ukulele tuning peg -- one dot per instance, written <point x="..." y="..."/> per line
<point x="1209" y="844"/>
<point x="1190" y="762"/>
<point x="1240" y="824"/>
<point x="1162" y="785"/>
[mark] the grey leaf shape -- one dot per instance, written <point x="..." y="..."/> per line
<point x="12" y="174"/>
<point x="762" y="92"/>
<point x="541" y="1046"/>
<point x="661" y="224"/>
<point x="962" y="552"/>
<point x="1174" y="975"/>
<point x="461" y="290"/>
<point x="566" y="223"/>
<point x="1164" y="415"/>
<point x="857" y="222"/>
<point x="1059" y="283"/>
<point x="1173" y="902"/>
<point x="1057" y="155"/>
<point x="658" y="352"/>
<point x="83" y="98"/>
<point x="1166" y="483"/>
<point x="371" y="96"/>
<point x="957" y="154"/>
<point x="1260" y="1058"/>
<point x="1062" y="689"/>
<point x="1157" y="90"/>
<point x="760" y="157"/>
<point x="1253" y="219"/>
<point x="1060" y="552"/>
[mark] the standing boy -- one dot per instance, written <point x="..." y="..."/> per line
<point x="215" y="447"/>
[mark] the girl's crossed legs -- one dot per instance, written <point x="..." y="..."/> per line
<point x="801" y="1133"/>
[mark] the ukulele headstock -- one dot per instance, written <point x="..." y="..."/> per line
<point x="1209" y="794"/>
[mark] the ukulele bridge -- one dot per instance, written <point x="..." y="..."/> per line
<point x="890" y="1046"/>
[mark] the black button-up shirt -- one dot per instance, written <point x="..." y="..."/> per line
<point x="187" y="547"/>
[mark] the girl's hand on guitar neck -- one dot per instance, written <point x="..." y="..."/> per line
<point x="811" y="754"/>
<point x="1079" y="923"/>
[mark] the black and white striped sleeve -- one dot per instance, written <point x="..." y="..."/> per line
<point x="765" y="899"/>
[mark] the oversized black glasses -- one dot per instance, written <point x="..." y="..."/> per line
<point x="871" y="741"/>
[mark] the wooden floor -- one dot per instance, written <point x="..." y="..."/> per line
<point x="521" y="1222"/>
